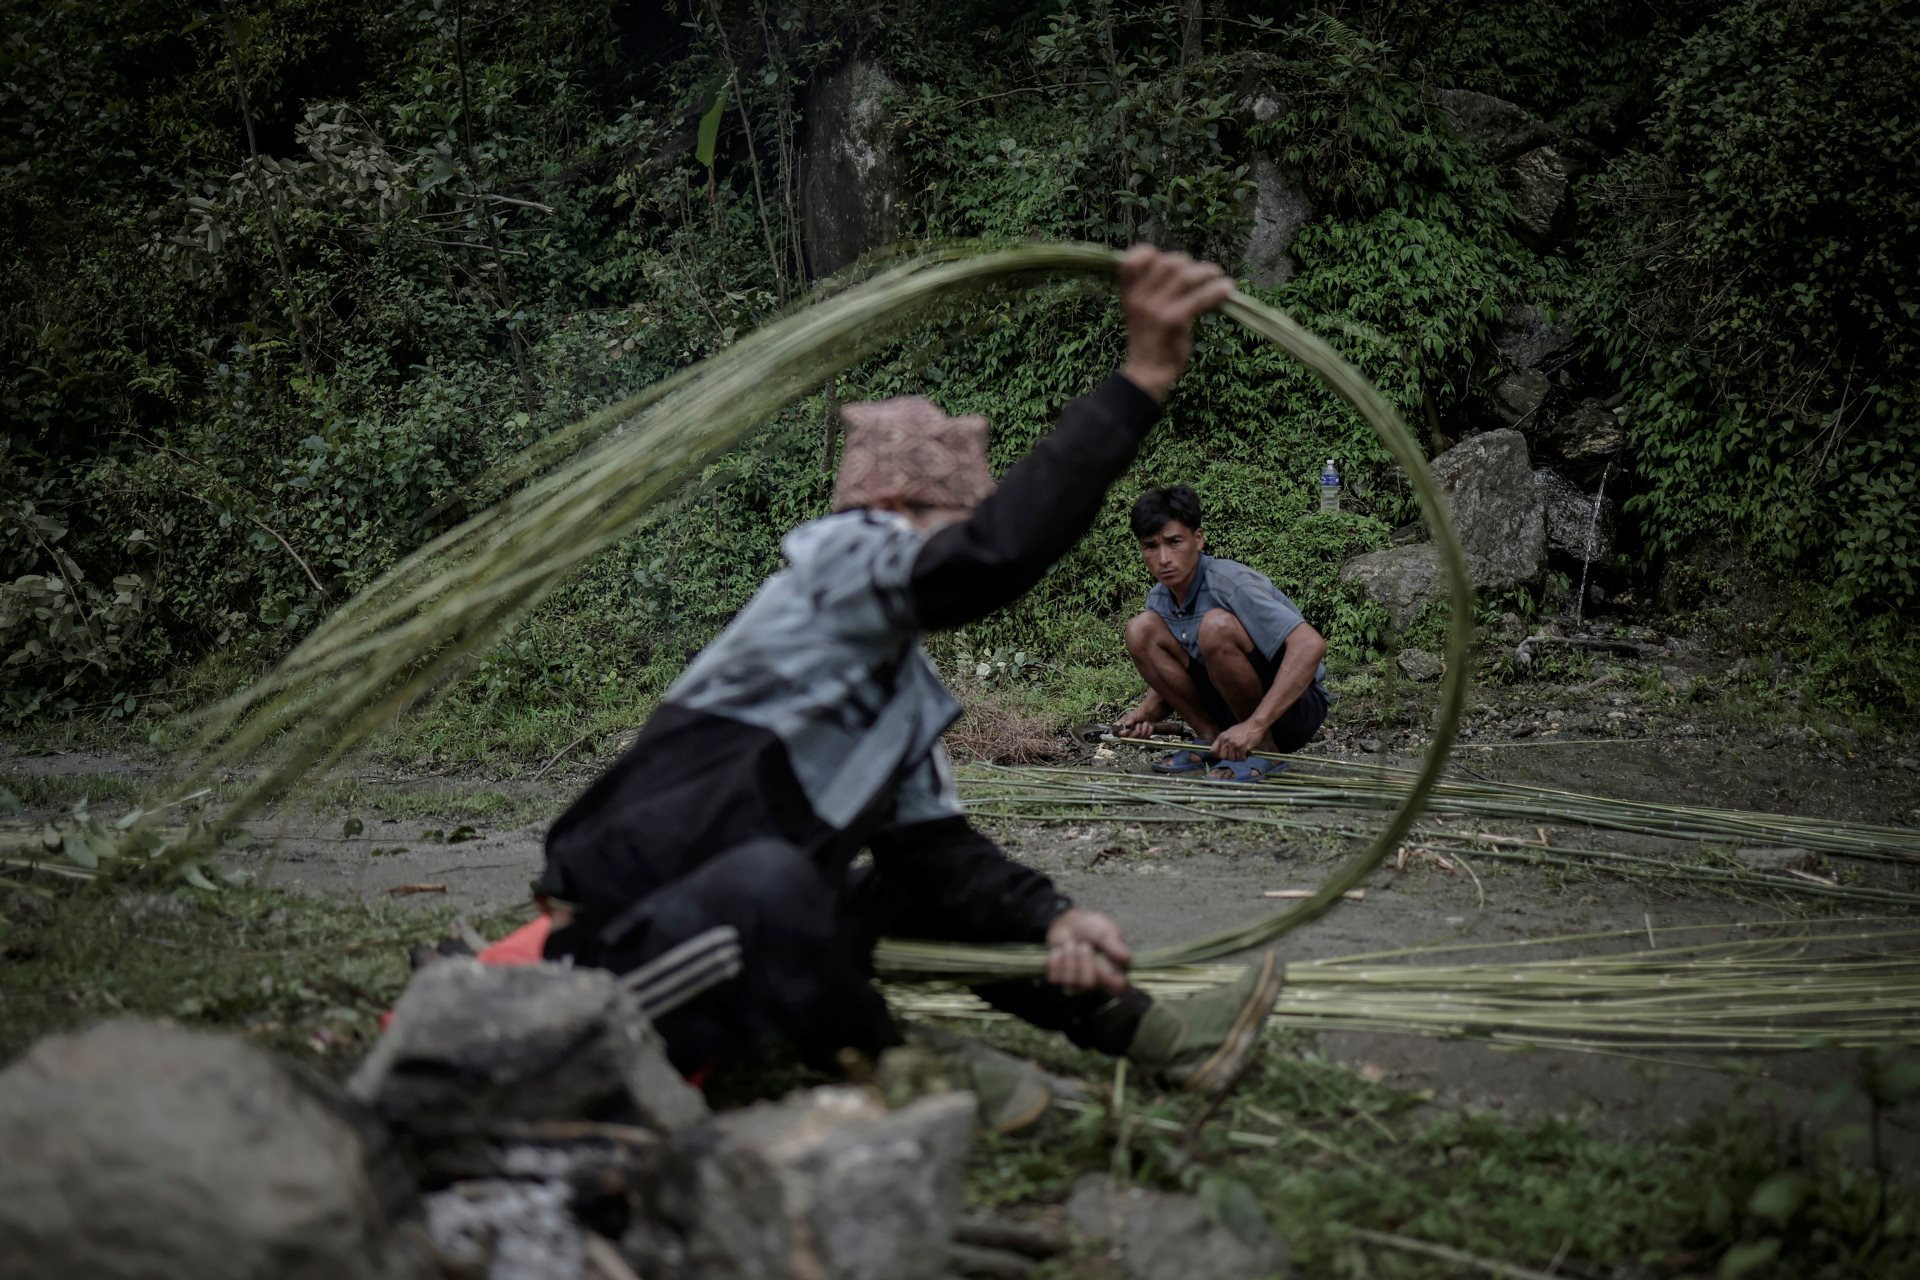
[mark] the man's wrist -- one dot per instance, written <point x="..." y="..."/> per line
<point x="1154" y="380"/>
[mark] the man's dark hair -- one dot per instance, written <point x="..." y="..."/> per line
<point x="1155" y="507"/>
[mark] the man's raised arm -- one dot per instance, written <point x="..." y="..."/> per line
<point x="1047" y="502"/>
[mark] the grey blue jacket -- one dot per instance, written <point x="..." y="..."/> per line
<point x="815" y="716"/>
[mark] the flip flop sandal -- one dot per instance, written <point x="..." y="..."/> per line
<point x="1184" y="762"/>
<point x="1252" y="769"/>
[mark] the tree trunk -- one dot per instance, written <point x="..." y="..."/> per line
<point x="303" y="335"/>
<point x="830" y="426"/>
<point x="1192" y="13"/>
<point x="528" y="400"/>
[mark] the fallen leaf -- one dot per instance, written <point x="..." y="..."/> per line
<point x="400" y="890"/>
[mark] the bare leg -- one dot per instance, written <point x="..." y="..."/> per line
<point x="1227" y="651"/>
<point x="1163" y="665"/>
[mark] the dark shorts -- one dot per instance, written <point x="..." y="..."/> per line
<point x="1296" y="725"/>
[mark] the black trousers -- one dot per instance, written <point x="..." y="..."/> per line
<point x="806" y="937"/>
<point x="1297" y="724"/>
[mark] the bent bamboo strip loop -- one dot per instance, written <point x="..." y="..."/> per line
<point x="428" y="619"/>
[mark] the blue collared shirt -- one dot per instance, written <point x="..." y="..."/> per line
<point x="1249" y="595"/>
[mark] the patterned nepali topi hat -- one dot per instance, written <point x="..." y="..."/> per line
<point x="908" y="450"/>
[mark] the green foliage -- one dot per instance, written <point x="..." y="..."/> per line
<point x="56" y="627"/>
<point x="1769" y="346"/>
<point x="301" y="975"/>
<point x="280" y="290"/>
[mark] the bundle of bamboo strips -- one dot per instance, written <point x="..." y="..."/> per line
<point x="1319" y="782"/>
<point x="1310" y="806"/>
<point x="1783" y="985"/>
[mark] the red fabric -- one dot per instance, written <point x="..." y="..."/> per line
<point x="523" y="946"/>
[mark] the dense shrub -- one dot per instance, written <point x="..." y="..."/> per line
<point x="1754" y="293"/>
<point x="279" y="285"/>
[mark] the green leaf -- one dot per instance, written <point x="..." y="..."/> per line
<point x="1746" y="1257"/>
<point x="710" y="129"/>
<point x="1778" y="1198"/>
<point x="459" y="834"/>
<point x="1899" y="1082"/>
<point x="79" y="848"/>
<point x="351" y="828"/>
<point x="198" y="879"/>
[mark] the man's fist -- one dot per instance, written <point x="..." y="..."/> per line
<point x="1137" y="723"/>
<point x="1161" y="294"/>
<point x="1085" y="952"/>
<point x="1238" y="741"/>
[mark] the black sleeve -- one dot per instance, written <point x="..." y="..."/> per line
<point x="951" y="883"/>
<point x="1043" y="506"/>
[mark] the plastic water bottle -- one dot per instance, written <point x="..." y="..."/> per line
<point x="1329" y="488"/>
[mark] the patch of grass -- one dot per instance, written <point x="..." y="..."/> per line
<point x="62" y="791"/>
<point x="302" y="974"/>
<point x="520" y="729"/>
<point x="1322" y="1149"/>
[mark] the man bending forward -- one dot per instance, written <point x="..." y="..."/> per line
<point x="810" y="730"/>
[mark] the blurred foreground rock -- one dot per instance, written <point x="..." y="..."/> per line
<point x="474" y="1044"/>
<point x="1157" y="1236"/>
<point x="531" y="1108"/>
<point x="827" y="1184"/>
<point x="140" y="1150"/>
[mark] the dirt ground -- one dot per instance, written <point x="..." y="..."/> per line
<point x="1632" y="732"/>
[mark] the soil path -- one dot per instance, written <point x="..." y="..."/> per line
<point x="1169" y="883"/>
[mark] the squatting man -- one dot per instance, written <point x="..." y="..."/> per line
<point x="810" y="729"/>
<point x="1222" y="646"/>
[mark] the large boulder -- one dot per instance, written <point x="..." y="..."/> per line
<point x="1519" y="397"/>
<point x="1579" y="525"/>
<point x="1525" y="338"/>
<point x="1488" y="483"/>
<point x="1537" y="181"/>
<point x="1583" y="440"/>
<point x="1160" y="1236"/>
<point x="827" y="1185"/>
<point x="473" y="1043"/>
<point x="140" y="1150"/>
<point x="1281" y="206"/>
<point x="1420" y="666"/>
<point x="1400" y="579"/>
<point x="851" y="172"/>
<point x="1503" y="129"/>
